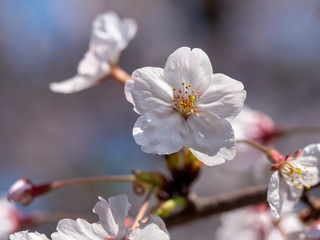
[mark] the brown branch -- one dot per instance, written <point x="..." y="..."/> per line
<point x="204" y="207"/>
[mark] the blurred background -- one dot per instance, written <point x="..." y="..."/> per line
<point x="272" y="46"/>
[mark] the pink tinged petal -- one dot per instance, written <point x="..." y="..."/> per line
<point x="210" y="139"/>
<point x="25" y="235"/>
<point x="224" y="97"/>
<point x="189" y="66"/>
<point x="147" y="90"/>
<point x="160" y="131"/>
<point x="80" y="229"/>
<point x="112" y="220"/>
<point x="154" y="229"/>
<point x="119" y="206"/>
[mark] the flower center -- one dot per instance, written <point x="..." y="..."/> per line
<point x="295" y="175"/>
<point x="185" y="99"/>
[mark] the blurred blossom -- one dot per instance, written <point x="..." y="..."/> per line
<point x="110" y="35"/>
<point x="185" y="104"/>
<point x="24" y="191"/>
<point x="111" y="225"/>
<point x="255" y="223"/>
<point x="291" y="175"/>
<point x="9" y="219"/>
<point x="21" y="191"/>
<point x="309" y="233"/>
<point x="253" y="125"/>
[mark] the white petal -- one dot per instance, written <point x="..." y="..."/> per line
<point x="275" y="202"/>
<point x="112" y="220"/>
<point x="111" y="35"/>
<point x="80" y="229"/>
<point x="160" y="131"/>
<point x="224" y="97"/>
<point x="147" y="90"/>
<point x="192" y="67"/>
<point x="75" y="84"/>
<point x="25" y="235"/>
<point x="210" y="139"/>
<point x="154" y="229"/>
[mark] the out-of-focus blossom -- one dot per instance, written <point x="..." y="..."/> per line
<point x="25" y="235"/>
<point x="255" y="223"/>
<point x="291" y="175"/>
<point x="111" y="226"/>
<point x="253" y="125"/>
<point x="110" y="35"/>
<point x="309" y="233"/>
<point x="185" y="104"/>
<point x="9" y="219"/>
<point x="24" y="191"/>
<point x="21" y="191"/>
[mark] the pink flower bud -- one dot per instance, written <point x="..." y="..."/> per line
<point x="21" y="191"/>
<point x="24" y="191"/>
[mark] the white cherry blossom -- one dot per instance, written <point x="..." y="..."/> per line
<point x="111" y="225"/>
<point x="110" y="35"/>
<point x="292" y="175"/>
<point x="185" y="104"/>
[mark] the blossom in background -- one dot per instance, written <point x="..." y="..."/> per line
<point x="291" y="175"/>
<point x="9" y="219"/>
<point x="256" y="223"/>
<point x="253" y="125"/>
<point x="309" y="233"/>
<point x="110" y="35"/>
<point x="111" y="225"/>
<point x="185" y="104"/>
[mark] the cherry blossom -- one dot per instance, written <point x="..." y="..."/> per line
<point x="185" y="104"/>
<point x="111" y="225"/>
<point x="110" y="35"/>
<point x="291" y="176"/>
<point x="256" y="223"/>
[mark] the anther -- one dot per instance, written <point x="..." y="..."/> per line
<point x="300" y="188"/>
<point x="190" y="85"/>
<point x="173" y="89"/>
<point x="172" y="100"/>
<point x="183" y="83"/>
<point x="308" y="186"/>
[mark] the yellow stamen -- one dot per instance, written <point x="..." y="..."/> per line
<point x="300" y="188"/>
<point x="295" y="185"/>
<point x="172" y="100"/>
<point x="308" y="186"/>
<point x="183" y="83"/>
<point x="310" y="178"/>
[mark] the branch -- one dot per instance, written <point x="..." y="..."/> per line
<point x="204" y="207"/>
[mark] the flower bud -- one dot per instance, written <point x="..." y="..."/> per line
<point x="24" y="191"/>
<point x="21" y="191"/>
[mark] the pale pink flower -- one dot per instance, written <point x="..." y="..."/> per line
<point x="110" y="35"/>
<point x="292" y="174"/>
<point x="185" y="104"/>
